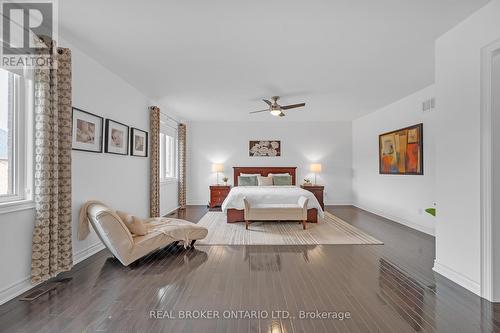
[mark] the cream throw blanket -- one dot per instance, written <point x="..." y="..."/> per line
<point x="172" y="228"/>
<point x="169" y="227"/>
<point x="83" y="222"/>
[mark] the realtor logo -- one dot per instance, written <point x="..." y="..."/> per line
<point x="23" y="25"/>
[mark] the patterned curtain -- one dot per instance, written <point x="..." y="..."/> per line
<point x="52" y="248"/>
<point x="154" y="195"/>
<point x="182" y="165"/>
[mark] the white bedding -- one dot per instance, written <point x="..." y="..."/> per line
<point x="269" y="195"/>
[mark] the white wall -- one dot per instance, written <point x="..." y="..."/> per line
<point x="121" y="181"/>
<point x="328" y="143"/>
<point x="397" y="197"/>
<point x="495" y="89"/>
<point x="458" y="93"/>
<point x="169" y="200"/>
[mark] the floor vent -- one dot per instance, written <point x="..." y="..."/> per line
<point x="38" y="292"/>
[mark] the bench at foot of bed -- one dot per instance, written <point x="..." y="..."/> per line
<point x="238" y="215"/>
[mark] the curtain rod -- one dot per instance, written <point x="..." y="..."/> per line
<point x="171" y="126"/>
<point x="170" y="118"/>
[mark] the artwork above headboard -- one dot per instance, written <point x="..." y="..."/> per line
<point x="265" y="171"/>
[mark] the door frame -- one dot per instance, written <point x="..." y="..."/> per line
<point x="487" y="55"/>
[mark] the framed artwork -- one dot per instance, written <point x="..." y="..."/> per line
<point x="138" y="142"/>
<point x="116" y="135"/>
<point x="87" y="131"/>
<point x="265" y="148"/>
<point x="401" y="152"/>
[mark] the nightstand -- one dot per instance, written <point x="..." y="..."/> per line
<point x="217" y="195"/>
<point x="317" y="190"/>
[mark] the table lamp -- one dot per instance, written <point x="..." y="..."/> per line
<point x="217" y="167"/>
<point x="315" y="168"/>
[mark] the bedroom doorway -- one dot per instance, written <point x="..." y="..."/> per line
<point x="490" y="174"/>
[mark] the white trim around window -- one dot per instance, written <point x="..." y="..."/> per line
<point x="168" y="155"/>
<point x="20" y="144"/>
<point x="169" y="180"/>
<point x="15" y="206"/>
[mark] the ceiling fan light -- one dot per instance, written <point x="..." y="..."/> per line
<point x="276" y="113"/>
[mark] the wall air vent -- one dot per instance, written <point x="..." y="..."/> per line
<point x="429" y="105"/>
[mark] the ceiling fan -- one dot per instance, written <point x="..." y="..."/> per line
<point x="277" y="110"/>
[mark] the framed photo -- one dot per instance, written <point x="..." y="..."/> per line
<point x="87" y="131"/>
<point x="264" y="148"/>
<point x="401" y="152"/>
<point x="138" y="142"/>
<point x="116" y="135"/>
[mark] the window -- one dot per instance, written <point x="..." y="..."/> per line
<point x="168" y="156"/>
<point x="6" y="122"/>
<point x="15" y="150"/>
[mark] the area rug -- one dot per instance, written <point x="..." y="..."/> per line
<point x="328" y="230"/>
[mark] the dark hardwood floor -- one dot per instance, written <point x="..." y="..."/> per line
<point x="383" y="288"/>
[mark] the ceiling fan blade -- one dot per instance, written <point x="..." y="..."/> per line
<point x="293" y="106"/>
<point x="268" y="102"/>
<point x="259" y="111"/>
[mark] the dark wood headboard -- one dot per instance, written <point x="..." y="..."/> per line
<point x="264" y="171"/>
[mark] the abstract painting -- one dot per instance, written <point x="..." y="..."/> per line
<point x="401" y="151"/>
<point x="265" y="148"/>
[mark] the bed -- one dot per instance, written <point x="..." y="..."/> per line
<point x="233" y="205"/>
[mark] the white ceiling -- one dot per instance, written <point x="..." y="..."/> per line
<point x="215" y="60"/>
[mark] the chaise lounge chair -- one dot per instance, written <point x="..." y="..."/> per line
<point x="127" y="247"/>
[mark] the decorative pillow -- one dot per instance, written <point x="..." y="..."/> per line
<point x="265" y="181"/>
<point x="282" y="180"/>
<point x="247" y="180"/>
<point x="125" y="217"/>
<point x="138" y="227"/>
<point x="133" y="223"/>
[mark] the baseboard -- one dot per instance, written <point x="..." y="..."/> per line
<point x="15" y="290"/>
<point x="339" y="203"/>
<point x="22" y="286"/>
<point x="457" y="277"/>
<point x="170" y="211"/>
<point x="416" y="226"/>
<point x="198" y="203"/>
<point x="88" y="252"/>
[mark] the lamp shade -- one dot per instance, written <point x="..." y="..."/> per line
<point x="316" y="167"/>
<point x="217" y="167"/>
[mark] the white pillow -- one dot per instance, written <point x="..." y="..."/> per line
<point x="250" y="174"/>
<point x="265" y="181"/>
<point x="278" y="174"/>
